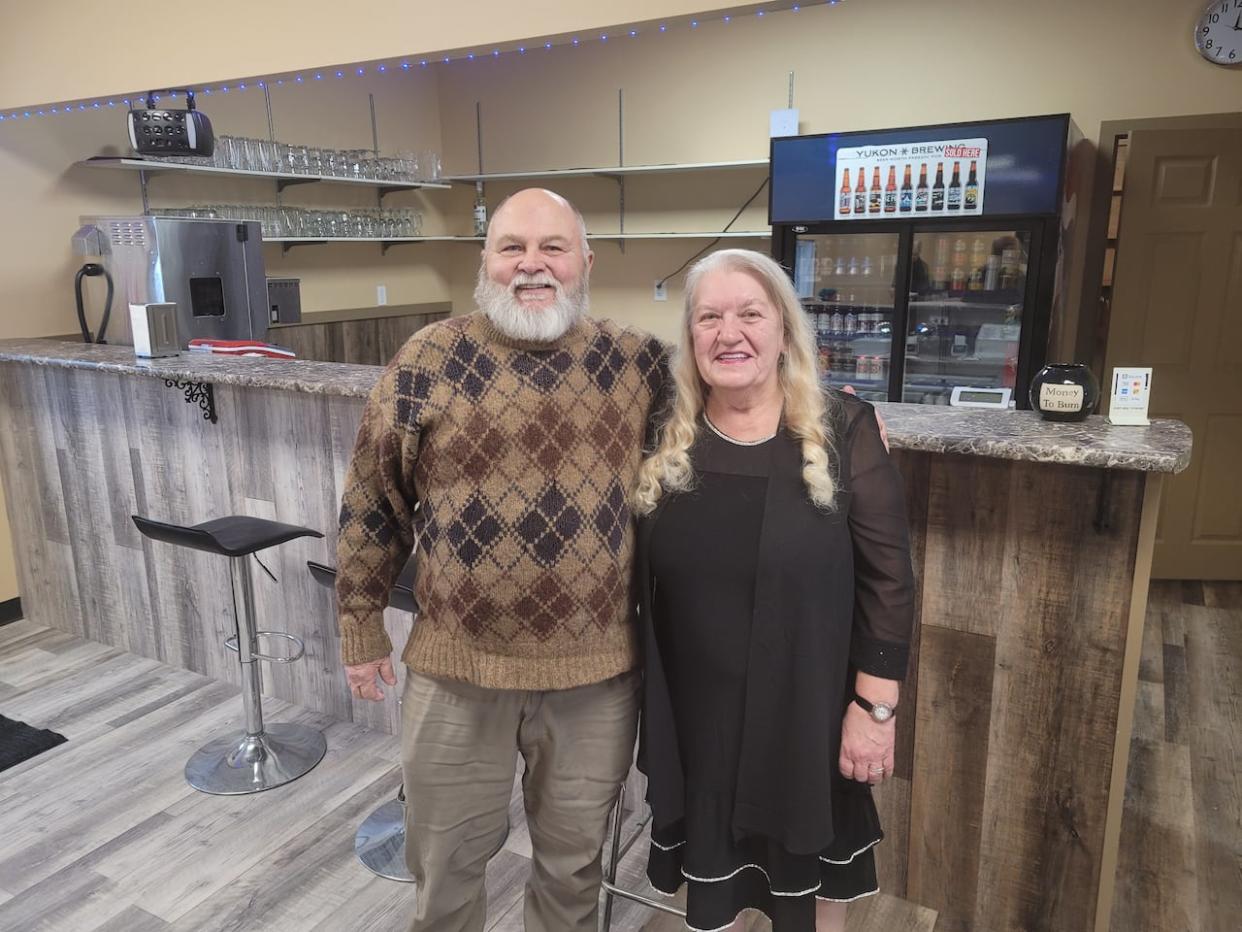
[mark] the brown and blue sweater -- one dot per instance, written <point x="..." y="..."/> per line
<point x="511" y="465"/>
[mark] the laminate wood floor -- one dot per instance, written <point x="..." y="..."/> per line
<point x="103" y="835"/>
<point x="1180" y="863"/>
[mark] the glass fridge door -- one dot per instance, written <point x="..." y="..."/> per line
<point x="847" y="282"/>
<point x="967" y="290"/>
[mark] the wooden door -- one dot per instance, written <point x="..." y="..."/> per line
<point x="1177" y="307"/>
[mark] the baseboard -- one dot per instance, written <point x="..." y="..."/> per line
<point x="10" y="610"/>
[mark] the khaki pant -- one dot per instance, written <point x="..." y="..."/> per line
<point x="459" y="750"/>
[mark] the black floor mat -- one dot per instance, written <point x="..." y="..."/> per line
<point x="19" y="742"/>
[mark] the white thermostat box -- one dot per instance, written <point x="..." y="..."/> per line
<point x="1131" y="390"/>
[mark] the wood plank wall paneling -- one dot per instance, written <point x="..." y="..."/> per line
<point x="368" y="341"/>
<point x="1026" y="591"/>
<point x="893" y="798"/>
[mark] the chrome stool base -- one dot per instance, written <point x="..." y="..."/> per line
<point x="380" y="842"/>
<point x="243" y="763"/>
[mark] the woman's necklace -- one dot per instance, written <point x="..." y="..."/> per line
<point x="741" y="443"/>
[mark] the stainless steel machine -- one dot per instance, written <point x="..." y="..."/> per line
<point x="212" y="270"/>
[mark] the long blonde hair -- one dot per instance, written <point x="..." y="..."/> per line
<point x="668" y="468"/>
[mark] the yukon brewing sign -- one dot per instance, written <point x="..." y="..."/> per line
<point x="911" y="180"/>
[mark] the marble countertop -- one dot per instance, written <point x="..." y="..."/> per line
<point x="1164" y="446"/>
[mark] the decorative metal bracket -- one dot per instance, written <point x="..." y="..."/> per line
<point x="200" y="393"/>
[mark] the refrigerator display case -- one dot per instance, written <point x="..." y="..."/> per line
<point x="927" y="291"/>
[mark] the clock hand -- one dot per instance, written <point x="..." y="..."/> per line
<point x="1237" y="26"/>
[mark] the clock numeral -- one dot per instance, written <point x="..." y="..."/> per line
<point x="1213" y="18"/>
<point x="1233" y="53"/>
<point x="1220" y="50"/>
<point x="1207" y="44"/>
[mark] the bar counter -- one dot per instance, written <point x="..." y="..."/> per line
<point x="1032" y="548"/>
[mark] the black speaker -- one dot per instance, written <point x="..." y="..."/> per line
<point x="171" y="132"/>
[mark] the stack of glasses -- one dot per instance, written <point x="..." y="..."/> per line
<point x="297" y="222"/>
<point x="264" y="155"/>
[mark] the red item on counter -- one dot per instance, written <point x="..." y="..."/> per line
<point x="241" y="348"/>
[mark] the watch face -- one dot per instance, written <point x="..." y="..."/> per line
<point x="1218" y="33"/>
<point x="881" y="712"/>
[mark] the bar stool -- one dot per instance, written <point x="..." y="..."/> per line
<point x="609" y="883"/>
<point x="261" y="757"/>
<point x="380" y="839"/>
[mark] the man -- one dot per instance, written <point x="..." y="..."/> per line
<point x="504" y="443"/>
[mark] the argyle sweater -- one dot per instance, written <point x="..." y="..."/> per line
<point x="511" y="465"/>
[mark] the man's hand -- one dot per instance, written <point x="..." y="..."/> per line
<point x="361" y="678"/>
<point x="879" y="419"/>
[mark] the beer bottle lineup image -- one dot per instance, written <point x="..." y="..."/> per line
<point x="937" y="191"/>
<point x="859" y="199"/>
<point x="955" y="188"/>
<point x="921" y="192"/>
<point x="972" y="188"/>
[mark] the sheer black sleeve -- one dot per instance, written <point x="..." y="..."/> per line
<point x="883" y="575"/>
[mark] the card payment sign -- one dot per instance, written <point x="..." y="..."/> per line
<point x="1131" y="390"/>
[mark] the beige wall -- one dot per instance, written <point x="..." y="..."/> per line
<point x="689" y="96"/>
<point x="69" y="49"/>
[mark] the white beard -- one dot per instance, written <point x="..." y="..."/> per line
<point x="518" y="322"/>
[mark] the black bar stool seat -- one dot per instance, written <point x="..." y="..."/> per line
<point x="261" y="757"/>
<point x="232" y="536"/>
<point x="400" y="597"/>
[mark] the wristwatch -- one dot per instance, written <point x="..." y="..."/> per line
<point x="879" y="711"/>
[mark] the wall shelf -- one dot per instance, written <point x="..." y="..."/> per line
<point x="609" y="171"/>
<point x="282" y="179"/>
<point x="288" y="242"/>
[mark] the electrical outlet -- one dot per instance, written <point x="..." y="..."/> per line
<point x="381" y="294"/>
<point x="660" y="292"/>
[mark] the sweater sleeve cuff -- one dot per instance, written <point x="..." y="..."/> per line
<point x="363" y="641"/>
<point x="885" y="659"/>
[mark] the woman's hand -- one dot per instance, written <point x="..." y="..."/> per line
<point x="866" y="746"/>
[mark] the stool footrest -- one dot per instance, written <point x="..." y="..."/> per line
<point x="299" y="650"/>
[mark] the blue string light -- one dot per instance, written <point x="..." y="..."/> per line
<point x="406" y="65"/>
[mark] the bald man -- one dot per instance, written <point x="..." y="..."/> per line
<point x="504" y="443"/>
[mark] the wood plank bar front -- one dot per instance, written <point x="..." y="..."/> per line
<point x="1014" y="722"/>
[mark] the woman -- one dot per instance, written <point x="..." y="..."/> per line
<point x="775" y="583"/>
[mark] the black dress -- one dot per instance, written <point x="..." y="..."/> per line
<point x="703" y="561"/>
